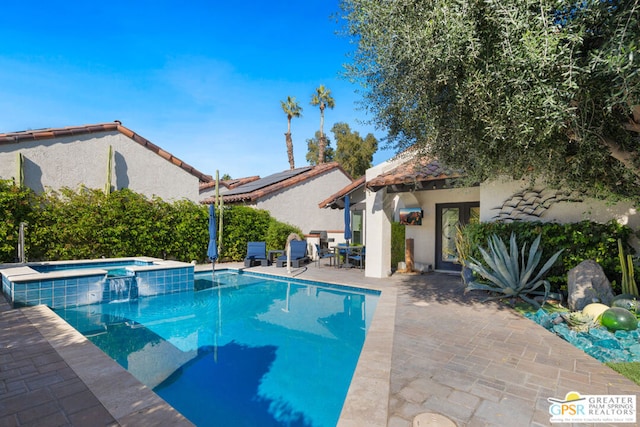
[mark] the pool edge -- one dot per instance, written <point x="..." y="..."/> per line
<point x="128" y="400"/>
<point x="367" y="401"/>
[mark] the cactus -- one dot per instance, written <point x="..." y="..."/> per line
<point x="628" y="279"/>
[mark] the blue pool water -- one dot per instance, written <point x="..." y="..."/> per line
<point x="108" y="265"/>
<point x="243" y="350"/>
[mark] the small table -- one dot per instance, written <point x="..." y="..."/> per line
<point x="276" y="252"/>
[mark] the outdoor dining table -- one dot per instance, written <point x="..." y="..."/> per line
<point x="343" y="250"/>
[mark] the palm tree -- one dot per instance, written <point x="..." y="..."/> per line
<point x="292" y="109"/>
<point x="322" y="97"/>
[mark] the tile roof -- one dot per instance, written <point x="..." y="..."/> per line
<point x="229" y="183"/>
<point x="40" y="134"/>
<point x="336" y="201"/>
<point x="252" y="191"/>
<point x="423" y="174"/>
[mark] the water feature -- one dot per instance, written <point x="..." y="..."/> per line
<point x="60" y="284"/>
<point x="121" y="288"/>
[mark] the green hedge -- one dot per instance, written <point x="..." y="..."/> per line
<point x="16" y="206"/>
<point x="88" y="224"/>
<point x="580" y="241"/>
<point x="397" y="244"/>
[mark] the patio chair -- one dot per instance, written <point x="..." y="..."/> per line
<point x="298" y="254"/>
<point x="256" y="254"/>
<point x="324" y="254"/>
<point x="358" y="257"/>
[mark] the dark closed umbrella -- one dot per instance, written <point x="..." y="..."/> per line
<point x="347" y="219"/>
<point x="212" y="250"/>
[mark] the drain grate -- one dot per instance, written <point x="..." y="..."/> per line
<point x="431" y="419"/>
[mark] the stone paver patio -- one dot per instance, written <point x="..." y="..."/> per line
<point x="430" y="349"/>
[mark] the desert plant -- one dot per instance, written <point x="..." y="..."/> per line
<point x="628" y="279"/>
<point x="581" y="241"/>
<point x="509" y="275"/>
<point x="463" y="244"/>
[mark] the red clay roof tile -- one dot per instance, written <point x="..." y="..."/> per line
<point x="414" y="172"/>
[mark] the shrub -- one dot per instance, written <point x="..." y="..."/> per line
<point x="88" y="224"/>
<point x="397" y="244"/>
<point x="16" y="205"/>
<point x="579" y="241"/>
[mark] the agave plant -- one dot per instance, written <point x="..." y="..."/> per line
<point x="507" y="273"/>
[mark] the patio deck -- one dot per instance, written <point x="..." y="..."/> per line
<point x="430" y="350"/>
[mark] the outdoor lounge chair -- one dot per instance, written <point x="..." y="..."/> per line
<point x="324" y="254"/>
<point x="298" y="254"/>
<point x="256" y="254"/>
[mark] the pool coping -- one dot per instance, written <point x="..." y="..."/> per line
<point x="128" y="400"/>
<point x="132" y="403"/>
<point x="25" y="273"/>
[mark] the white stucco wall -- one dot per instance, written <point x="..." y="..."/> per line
<point x="496" y="198"/>
<point x="298" y="205"/>
<point x="493" y="195"/>
<point x="379" y="213"/>
<point x="424" y="236"/>
<point x="82" y="160"/>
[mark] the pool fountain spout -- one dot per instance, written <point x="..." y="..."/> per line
<point x="122" y="289"/>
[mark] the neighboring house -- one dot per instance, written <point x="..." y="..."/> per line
<point x="291" y="196"/>
<point x="80" y="156"/>
<point x="428" y="187"/>
<point x="208" y="189"/>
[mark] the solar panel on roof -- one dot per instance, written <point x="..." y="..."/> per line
<point x="266" y="181"/>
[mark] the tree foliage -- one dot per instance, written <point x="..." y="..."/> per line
<point x="313" y="146"/>
<point x="323" y="99"/>
<point x="352" y="152"/>
<point x="292" y="109"/>
<point x="520" y="88"/>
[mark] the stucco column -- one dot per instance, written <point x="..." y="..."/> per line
<point x="378" y="231"/>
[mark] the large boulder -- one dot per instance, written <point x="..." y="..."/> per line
<point x="586" y="284"/>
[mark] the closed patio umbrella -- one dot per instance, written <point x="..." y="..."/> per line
<point x="212" y="250"/>
<point x="347" y="219"/>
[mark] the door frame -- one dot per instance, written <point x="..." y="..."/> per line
<point x="463" y="218"/>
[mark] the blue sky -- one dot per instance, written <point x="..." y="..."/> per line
<point x="201" y="79"/>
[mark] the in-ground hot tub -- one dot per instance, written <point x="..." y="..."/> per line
<point x="60" y="284"/>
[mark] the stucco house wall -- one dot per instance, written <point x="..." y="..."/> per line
<point x="379" y="214"/>
<point x="424" y="236"/>
<point x="81" y="160"/>
<point x="298" y="204"/>
<point x="501" y="197"/>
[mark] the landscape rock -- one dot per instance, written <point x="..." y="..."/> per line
<point x="586" y="284"/>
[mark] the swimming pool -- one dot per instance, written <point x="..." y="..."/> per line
<point x="245" y="349"/>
